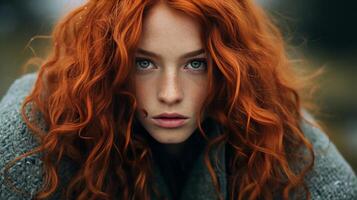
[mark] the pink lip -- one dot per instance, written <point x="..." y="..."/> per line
<point x="170" y="115"/>
<point x="169" y="122"/>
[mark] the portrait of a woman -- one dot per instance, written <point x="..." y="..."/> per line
<point x="176" y="99"/>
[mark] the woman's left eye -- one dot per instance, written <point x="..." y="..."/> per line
<point x="198" y="64"/>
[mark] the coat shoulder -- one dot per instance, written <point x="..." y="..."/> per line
<point x="15" y="139"/>
<point x="331" y="176"/>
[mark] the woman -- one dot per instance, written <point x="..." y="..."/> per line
<point x="166" y="99"/>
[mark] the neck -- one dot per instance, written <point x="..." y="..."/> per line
<point x="175" y="150"/>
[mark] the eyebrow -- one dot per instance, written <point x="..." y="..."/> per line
<point x="186" y="55"/>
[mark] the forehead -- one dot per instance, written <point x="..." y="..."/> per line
<point x="167" y="30"/>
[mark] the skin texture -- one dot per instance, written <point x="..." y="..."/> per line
<point x="170" y="83"/>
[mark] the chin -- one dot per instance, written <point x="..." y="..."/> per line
<point x="171" y="136"/>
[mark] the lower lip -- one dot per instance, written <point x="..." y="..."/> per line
<point x="169" y="123"/>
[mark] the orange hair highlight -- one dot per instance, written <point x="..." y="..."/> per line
<point x="83" y="96"/>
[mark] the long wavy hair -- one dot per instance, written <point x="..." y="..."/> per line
<point x="83" y="95"/>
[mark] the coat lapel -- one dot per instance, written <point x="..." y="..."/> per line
<point x="199" y="185"/>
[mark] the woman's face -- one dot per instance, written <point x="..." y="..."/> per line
<point x="170" y="75"/>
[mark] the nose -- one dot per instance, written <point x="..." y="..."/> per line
<point x="170" y="91"/>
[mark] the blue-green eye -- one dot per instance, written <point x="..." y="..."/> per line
<point x="143" y="63"/>
<point x="198" y="64"/>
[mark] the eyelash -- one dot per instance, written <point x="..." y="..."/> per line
<point x="202" y="60"/>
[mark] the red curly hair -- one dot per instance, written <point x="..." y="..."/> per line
<point x="82" y="93"/>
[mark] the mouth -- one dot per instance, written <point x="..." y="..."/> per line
<point x="169" y="120"/>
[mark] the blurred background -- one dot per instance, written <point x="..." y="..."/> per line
<point x="322" y="32"/>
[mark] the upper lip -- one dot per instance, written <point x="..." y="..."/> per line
<point x="170" y="115"/>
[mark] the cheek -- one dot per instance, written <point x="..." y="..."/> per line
<point x="141" y="112"/>
<point x="141" y="93"/>
<point x="197" y="92"/>
<point x="199" y="97"/>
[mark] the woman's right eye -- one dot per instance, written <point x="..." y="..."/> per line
<point x="143" y="63"/>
